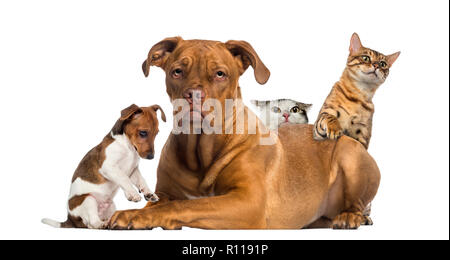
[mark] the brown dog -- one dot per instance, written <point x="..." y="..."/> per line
<point x="222" y="181"/>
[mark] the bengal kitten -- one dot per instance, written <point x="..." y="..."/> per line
<point x="348" y="109"/>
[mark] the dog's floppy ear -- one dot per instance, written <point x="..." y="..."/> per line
<point x="159" y="52"/>
<point x="248" y="56"/>
<point x="126" y="114"/>
<point x="156" y="108"/>
<point x="129" y="111"/>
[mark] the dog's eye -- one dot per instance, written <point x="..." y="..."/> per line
<point x="276" y="110"/>
<point x="143" y="134"/>
<point x="295" y="109"/>
<point x="365" y="58"/>
<point x="220" y="75"/>
<point x="383" y="64"/>
<point x="177" y="73"/>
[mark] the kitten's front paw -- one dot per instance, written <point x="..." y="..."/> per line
<point x="334" y="135"/>
<point x="135" y="197"/>
<point x="334" y="131"/>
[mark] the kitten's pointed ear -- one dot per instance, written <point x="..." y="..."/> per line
<point x="258" y="103"/>
<point x="308" y="107"/>
<point x="355" y="44"/>
<point x="392" y="58"/>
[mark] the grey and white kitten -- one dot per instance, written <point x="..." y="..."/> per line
<point x="275" y="113"/>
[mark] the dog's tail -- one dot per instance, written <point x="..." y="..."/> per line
<point x="56" y="224"/>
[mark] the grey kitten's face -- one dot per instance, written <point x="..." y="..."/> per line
<point x="282" y="111"/>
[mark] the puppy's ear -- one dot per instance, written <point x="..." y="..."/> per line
<point x="156" y="108"/>
<point x="245" y="52"/>
<point x="126" y="114"/>
<point x="158" y="54"/>
<point x="129" y="111"/>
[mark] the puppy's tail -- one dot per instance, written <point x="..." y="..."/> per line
<point x="56" y="224"/>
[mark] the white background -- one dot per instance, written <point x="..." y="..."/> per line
<point x="67" y="68"/>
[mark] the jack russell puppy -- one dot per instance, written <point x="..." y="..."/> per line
<point x="110" y="165"/>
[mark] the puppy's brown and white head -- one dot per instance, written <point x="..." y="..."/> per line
<point x="140" y="125"/>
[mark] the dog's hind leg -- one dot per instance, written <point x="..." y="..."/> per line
<point x="89" y="213"/>
<point x="107" y="212"/>
<point x="367" y="221"/>
<point x="361" y="178"/>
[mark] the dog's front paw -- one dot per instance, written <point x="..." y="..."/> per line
<point x="152" y="197"/>
<point x="135" y="197"/>
<point x="121" y="219"/>
<point x="131" y="219"/>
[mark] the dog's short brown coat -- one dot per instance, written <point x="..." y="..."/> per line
<point x="239" y="184"/>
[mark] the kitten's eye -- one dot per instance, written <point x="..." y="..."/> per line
<point x="177" y="73"/>
<point x="365" y="58"/>
<point x="220" y="75"/>
<point x="383" y="64"/>
<point x="143" y="134"/>
<point x="276" y="110"/>
<point x="295" y="109"/>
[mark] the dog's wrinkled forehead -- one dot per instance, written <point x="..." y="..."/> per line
<point x="200" y="53"/>
<point x="236" y="55"/>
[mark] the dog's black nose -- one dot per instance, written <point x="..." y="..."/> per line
<point x="150" y="156"/>
<point x="196" y="94"/>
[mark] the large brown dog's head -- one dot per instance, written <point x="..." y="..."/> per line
<point x="209" y="67"/>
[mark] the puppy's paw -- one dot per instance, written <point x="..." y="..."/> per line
<point x="97" y="225"/>
<point x="135" y="197"/>
<point x="104" y="225"/>
<point x="152" y="197"/>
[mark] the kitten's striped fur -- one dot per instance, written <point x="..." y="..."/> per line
<point x="348" y="109"/>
